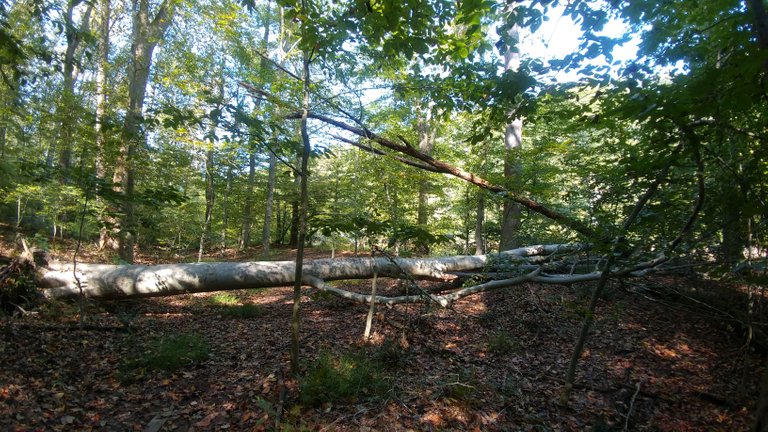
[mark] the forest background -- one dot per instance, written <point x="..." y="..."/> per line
<point x="202" y="95"/>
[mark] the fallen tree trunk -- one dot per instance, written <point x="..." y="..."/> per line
<point x="126" y="281"/>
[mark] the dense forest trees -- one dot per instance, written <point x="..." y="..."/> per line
<point x="220" y="94"/>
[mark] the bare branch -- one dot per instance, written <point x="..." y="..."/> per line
<point x="446" y="168"/>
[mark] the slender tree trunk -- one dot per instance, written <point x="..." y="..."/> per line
<point x="225" y="208"/>
<point x="245" y="232"/>
<point x="147" y="32"/>
<point x="426" y="144"/>
<point x="296" y="310"/>
<point x="586" y="325"/>
<point x="356" y="198"/>
<point x="3" y="134"/>
<point x="266" y="233"/>
<point x="210" y="198"/>
<point x="372" y="306"/>
<point x="6" y="101"/>
<point x="467" y="218"/>
<point x="280" y="222"/>
<point x="18" y="212"/>
<point x="73" y="34"/>
<point x="101" y="114"/>
<point x="293" y="233"/>
<point x="513" y="141"/>
<point x="479" y="224"/>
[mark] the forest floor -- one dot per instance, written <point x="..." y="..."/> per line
<point x="495" y="361"/>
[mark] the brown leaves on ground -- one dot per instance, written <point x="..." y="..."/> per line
<point x="494" y="362"/>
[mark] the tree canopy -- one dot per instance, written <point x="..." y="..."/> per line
<point x="223" y="89"/>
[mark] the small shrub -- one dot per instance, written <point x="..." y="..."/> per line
<point x="18" y="290"/>
<point x="574" y="310"/>
<point x="245" y="311"/>
<point x="321" y="296"/>
<point x="174" y="352"/>
<point x="488" y="319"/>
<point x="343" y="379"/>
<point x="510" y="388"/>
<point x="501" y="343"/>
<point x="224" y="299"/>
<point x="390" y="354"/>
<point x="166" y="354"/>
<point x="461" y="388"/>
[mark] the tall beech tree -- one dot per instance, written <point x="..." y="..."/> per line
<point x="513" y="137"/>
<point x="100" y="119"/>
<point x="74" y="33"/>
<point x="147" y="31"/>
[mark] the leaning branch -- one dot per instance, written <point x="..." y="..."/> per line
<point x="446" y="168"/>
<point x="378" y="152"/>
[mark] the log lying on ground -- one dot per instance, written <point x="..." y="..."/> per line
<point x="111" y="282"/>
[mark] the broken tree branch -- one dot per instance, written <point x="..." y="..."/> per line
<point x="446" y="168"/>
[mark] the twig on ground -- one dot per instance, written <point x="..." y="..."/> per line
<point x="631" y="407"/>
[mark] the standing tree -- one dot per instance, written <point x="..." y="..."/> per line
<point x="513" y="137"/>
<point x="101" y="111"/>
<point x="74" y="34"/>
<point x="147" y="32"/>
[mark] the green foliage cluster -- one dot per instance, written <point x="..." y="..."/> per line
<point x="169" y="354"/>
<point x="18" y="288"/>
<point x="228" y="305"/>
<point x="224" y="299"/>
<point x="345" y="378"/>
<point x="245" y="311"/>
<point x="226" y="85"/>
<point x="461" y="387"/>
<point x="502" y="343"/>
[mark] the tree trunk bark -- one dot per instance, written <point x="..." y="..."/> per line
<point x="293" y="231"/>
<point x="111" y="282"/>
<point x="513" y="142"/>
<point x="426" y="144"/>
<point x="210" y="198"/>
<point x="266" y="232"/>
<point x="146" y="35"/>
<point x="101" y="114"/>
<point x="72" y="33"/>
<point x="303" y="210"/>
<point x="427" y="135"/>
<point x="225" y="208"/>
<point x="479" y="224"/>
<point x="3" y="134"/>
<point x="245" y="232"/>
